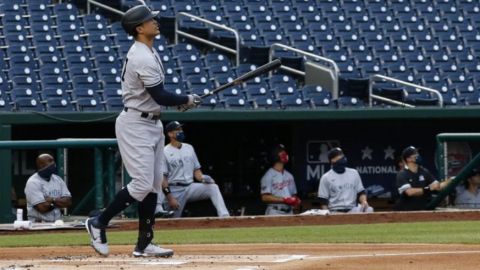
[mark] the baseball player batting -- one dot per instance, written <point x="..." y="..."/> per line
<point x="139" y="132"/>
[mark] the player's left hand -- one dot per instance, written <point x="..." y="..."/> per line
<point x="364" y="206"/>
<point x="207" y="179"/>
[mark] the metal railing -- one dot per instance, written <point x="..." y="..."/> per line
<point x="376" y="77"/>
<point x="333" y="66"/>
<point x="98" y="4"/>
<point x="178" y="32"/>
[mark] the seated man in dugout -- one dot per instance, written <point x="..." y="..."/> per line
<point x="341" y="188"/>
<point x="468" y="195"/>
<point x="46" y="192"/>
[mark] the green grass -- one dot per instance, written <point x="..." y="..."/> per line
<point x="466" y="232"/>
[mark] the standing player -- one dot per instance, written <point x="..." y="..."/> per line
<point x="278" y="186"/>
<point x="139" y="133"/>
<point x="185" y="178"/>
<point x="341" y="187"/>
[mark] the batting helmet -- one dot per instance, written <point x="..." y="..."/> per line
<point x="135" y="17"/>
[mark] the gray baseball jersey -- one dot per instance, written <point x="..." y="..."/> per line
<point x="179" y="167"/>
<point x="181" y="163"/>
<point x="280" y="184"/>
<point x="141" y="140"/>
<point x="142" y="68"/>
<point x="466" y="199"/>
<point x="37" y="189"/>
<point x="340" y="190"/>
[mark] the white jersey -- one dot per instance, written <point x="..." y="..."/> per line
<point x="280" y="184"/>
<point x="37" y="189"/>
<point x="180" y="164"/>
<point x="340" y="190"/>
<point x="142" y="68"/>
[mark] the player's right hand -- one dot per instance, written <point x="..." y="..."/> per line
<point x="194" y="101"/>
<point x="293" y="201"/>
<point x="173" y="203"/>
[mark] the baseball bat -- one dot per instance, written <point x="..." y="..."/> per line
<point x="247" y="76"/>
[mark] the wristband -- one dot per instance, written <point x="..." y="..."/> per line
<point x="166" y="191"/>
<point x="52" y="206"/>
<point x="427" y="191"/>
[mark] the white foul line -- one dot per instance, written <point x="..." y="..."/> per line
<point x="290" y="258"/>
<point x="391" y="254"/>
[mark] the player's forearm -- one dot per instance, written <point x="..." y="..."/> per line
<point x="198" y="175"/>
<point x="63" y="202"/>
<point x="268" y="198"/>
<point x="414" y="192"/>
<point x="44" y="207"/>
<point x="165" y="98"/>
<point x="445" y="183"/>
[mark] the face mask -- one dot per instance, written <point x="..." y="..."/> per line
<point x="180" y="136"/>
<point x="47" y="172"/>
<point x="283" y="157"/>
<point x="418" y="160"/>
<point x="339" y="166"/>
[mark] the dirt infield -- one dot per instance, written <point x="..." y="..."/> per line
<point x="254" y="257"/>
<point x="265" y="256"/>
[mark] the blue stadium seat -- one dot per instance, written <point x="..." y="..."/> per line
<point x="25" y="82"/>
<point x="114" y="104"/>
<point x="112" y="93"/>
<point x="210" y="102"/>
<point x="236" y="103"/>
<point x="217" y="59"/>
<point x="266" y="102"/>
<point x="89" y="104"/>
<point x="59" y="104"/>
<point x="5" y="106"/>
<point x="293" y="101"/>
<point x="27" y="104"/>
<point x="85" y="81"/>
<point x="51" y="92"/>
<point x="56" y="81"/>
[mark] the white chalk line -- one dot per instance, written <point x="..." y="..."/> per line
<point x="391" y="254"/>
<point x="290" y="258"/>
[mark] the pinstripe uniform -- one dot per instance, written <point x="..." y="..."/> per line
<point x="138" y="130"/>
<point x="37" y="189"/>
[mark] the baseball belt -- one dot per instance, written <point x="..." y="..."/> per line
<point x="145" y="115"/>
<point x="179" y="184"/>
<point x="283" y="209"/>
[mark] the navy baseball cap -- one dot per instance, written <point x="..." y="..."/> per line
<point x="408" y="152"/>
<point x="475" y="171"/>
<point x="173" y="126"/>
<point x="334" y="152"/>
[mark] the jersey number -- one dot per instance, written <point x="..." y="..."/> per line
<point x="124" y="69"/>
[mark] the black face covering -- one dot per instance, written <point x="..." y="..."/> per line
<point x="47" y="172"/>
<point x="340" y="165"/>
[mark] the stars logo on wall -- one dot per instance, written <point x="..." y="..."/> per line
<point x="367" y="153"/>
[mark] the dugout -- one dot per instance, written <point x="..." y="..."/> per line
<point x="233" y="147"/>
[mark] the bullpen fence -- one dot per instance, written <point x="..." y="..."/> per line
<point x="442" y="161"/>
<point x="104" y="176"/>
